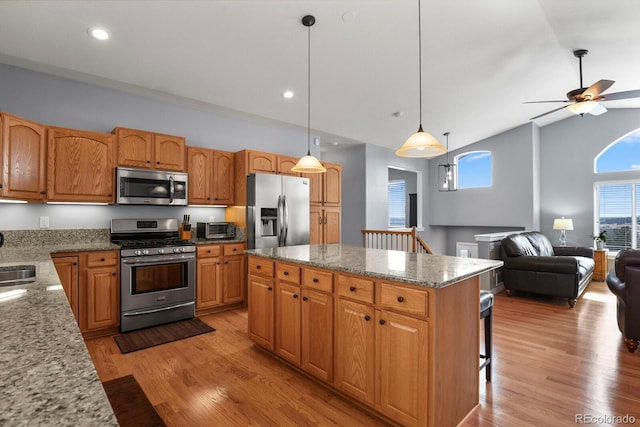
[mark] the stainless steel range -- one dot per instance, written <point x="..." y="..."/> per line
<point x="157" y="270"/>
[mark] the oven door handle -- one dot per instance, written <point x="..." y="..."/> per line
<point x="158" y="259"/>
<point x="157" y="310"/>
<point x="172" y="189"/>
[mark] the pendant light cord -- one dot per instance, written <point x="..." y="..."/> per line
<point x="309" y="92"/>
<point x="420" y="60"/>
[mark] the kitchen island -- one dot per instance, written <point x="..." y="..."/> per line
<point x="397" y="332"/>
<point x="47" y="376"/>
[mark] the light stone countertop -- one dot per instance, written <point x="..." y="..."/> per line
<point x="434" y="271"/>
<point x="47" y="377"/>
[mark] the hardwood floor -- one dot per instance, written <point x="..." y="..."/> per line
<point x="551" y="363"/>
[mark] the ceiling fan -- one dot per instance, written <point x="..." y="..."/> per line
<point x="585" y="100"/>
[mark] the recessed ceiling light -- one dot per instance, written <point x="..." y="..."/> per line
<point x="98" y="33"/>
<point x="287" y="94"/>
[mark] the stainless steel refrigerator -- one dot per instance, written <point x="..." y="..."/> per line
<point x="277" y="211"/>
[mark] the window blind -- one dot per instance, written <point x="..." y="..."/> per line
<point x="617" y="214"/>
<point x="397" y="203"/>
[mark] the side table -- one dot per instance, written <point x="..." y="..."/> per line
<point x="602" y="266"/>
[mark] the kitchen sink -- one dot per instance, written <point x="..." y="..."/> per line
<point x="17" y="274"/>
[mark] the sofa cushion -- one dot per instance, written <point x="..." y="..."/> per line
<point x="540" y="242"/>
<point x="518" y="245"/>
<point x="585" y="266"/>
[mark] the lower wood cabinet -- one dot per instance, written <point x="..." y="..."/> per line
<point x="91" y="281"/>
<point x="220" y="275"/>
<point x="262" y="309"/>
<point x="324" y="225"/>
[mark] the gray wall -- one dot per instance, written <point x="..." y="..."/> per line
<point x="568" y="150"/>
<point x="61" y="102"/>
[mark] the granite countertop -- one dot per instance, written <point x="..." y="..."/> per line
<point x="47" y="376"/>
<point x="434" y="271"/>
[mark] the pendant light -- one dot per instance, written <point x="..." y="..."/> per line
<point x="447" y="173"/>
<point x="308" y="163"/>
<point x="421" y="143"/>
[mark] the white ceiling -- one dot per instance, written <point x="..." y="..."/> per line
<point x="481" y="59"/>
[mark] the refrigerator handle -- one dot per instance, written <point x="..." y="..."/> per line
<point x="285" y="230"/>
<point x="280" y="221"/>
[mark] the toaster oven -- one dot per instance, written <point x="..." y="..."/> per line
<point x="215" y="230"/>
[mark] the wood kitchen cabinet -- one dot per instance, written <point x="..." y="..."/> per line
<point x="220" y="276"/>
<point x="211" y="178"/>
<point x="142" y="149"/>
<point x="91" y="281"/>
<point x="324" y="225"/>
<point x="285" y="163"/>
<point x="80" y="166"/>
<point x="23" y="146"/>
<point x="68" y="269"/>
<point x="261" y="301"/>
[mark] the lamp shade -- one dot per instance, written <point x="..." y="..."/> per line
<point x="563" y="224"/>
<point x="308" y="164"/>
<point x="421" y="144"/>
<point x="582" y="107"/>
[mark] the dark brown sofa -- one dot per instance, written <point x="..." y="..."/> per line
<point x="533" y="264"/>
<point x="625" y="284"/>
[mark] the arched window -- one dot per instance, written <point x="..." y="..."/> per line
<point x="621" y="155"/>
<point x="474" y="169"/>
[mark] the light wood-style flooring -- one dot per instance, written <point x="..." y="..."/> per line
<point x="551" y="365"/>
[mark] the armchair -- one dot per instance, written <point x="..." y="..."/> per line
<point x="625" y="285"/>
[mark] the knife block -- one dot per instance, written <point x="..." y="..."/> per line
<point x="185" y="232"/>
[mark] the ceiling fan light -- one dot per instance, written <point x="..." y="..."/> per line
<point x="421" y="144"/>
<point x="582" y="107"/>
<point x="308" y="164"/>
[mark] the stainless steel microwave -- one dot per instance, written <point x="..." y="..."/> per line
<point x="151" y="187"/>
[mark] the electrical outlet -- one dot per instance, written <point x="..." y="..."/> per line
<point x="44" y="222"/>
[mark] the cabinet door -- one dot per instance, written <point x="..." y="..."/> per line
<point x="199" y="166"/>
<point x="315" y="188"/>
<point x="23" y="159"/>
<point x="67" y="269"/>
<point x="223" y="175"/>
<point x="332" y="191"/>
<point x="331" y="225"/>
<point x="233" y="274"/>
<point x="317" y="334"/>
<point x="208" y="282"/>
<point x="80" y="166"/>
<point x="134" y="147"/>
<point x="354" y="352"/>
<point x="285" y="163"/>
<point x="102" y="298"/>
<point x="262" y="162"/>
<point x="401" y="343"/>
<point x="315" y="225"/>
<point x="261" y="311"/>
<point x="169" y="152"/>
<point x="288" y="322"/>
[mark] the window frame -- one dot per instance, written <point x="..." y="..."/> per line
<point x="607" y="148"/>
<point x="456" y="161"/>
<point x="635" y="207"/>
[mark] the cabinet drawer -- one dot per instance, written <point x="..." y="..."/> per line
<point x="261" y="266"/>
<point x="404" y="299"/>
<point x="233" y="249"/>
<point x="288" y="272"/>
<point x="208" y="251"/>
<point x="355" y="288"/>
<point x="101" y="259"/>
<point x="317" y="279"/>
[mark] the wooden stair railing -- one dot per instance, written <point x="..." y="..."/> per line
<point x="407" y="241"/>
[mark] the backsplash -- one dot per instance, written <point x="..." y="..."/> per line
<point x="20" y="238"/>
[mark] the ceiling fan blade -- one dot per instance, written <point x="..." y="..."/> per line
<point x="597" y="88"/>
<point x="599" y="109"/>
<point x="540" y="102"/>
<point x="548" y="112"/>
<point x="621" y="95"/>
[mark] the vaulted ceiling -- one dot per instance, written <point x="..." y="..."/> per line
<point x="481" y="59"/>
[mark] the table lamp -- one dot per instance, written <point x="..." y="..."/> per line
<point x="563" y="224"/>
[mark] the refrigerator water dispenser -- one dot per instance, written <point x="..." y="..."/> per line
<point x="268" y="218"/>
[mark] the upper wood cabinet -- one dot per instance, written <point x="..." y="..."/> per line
<point x="23" y="148"/>
<point x="142" y="149"/>
<point x="285" y="163"/>
<point x="210" y="176"/>
<point x="326" y="188"/>
<point x="80" y="166"/>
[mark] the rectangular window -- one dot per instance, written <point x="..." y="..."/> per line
<point x="397" y="203"/>
<point x="618" y="210"/>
